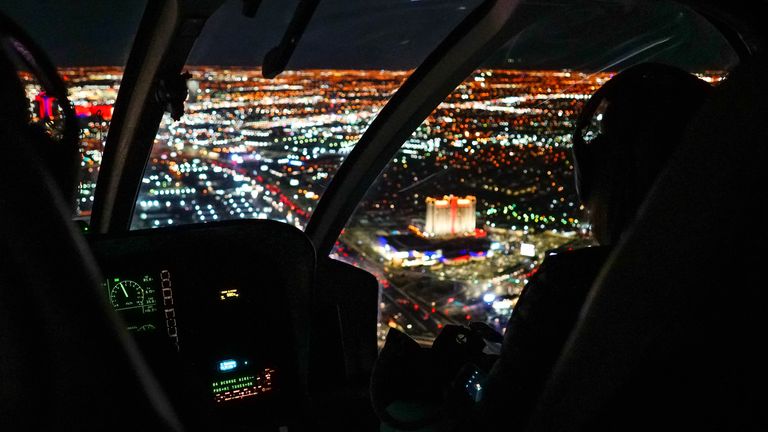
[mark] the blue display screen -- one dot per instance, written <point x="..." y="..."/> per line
<point x="227" y="365"/>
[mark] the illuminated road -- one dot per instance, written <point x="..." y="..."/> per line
<point x="417" y="312"/>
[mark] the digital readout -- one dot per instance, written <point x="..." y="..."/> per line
<point x="236" y="384"/>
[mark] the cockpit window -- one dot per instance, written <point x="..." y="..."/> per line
<point x="484" y="189"/>
<point x="250" y="147"/>
<point x="89" y="40"/>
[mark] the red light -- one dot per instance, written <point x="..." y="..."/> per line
<point x="460" y="258"/>
<point x="45" y="103"/>
<point x="87" y="110"/>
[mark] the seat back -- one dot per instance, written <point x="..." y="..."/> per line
<point x="671" y="332"/>
<point x="64" y="362"/>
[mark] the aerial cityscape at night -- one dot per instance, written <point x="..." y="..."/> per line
<point x="492" y="160"/>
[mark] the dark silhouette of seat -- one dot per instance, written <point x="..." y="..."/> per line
<point x="65" y="362"/>
<point x="643" y="112"/>
<point x="671" y="335"/>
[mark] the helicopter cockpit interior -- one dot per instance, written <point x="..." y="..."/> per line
<point x="213" y="212"/>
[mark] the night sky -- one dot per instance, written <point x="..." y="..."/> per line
<point x="388" y="34"/>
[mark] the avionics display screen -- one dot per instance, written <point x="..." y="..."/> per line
<point x="138" y="300"/>
<point x="234" y="374"/>
<point x="238" y="379"/>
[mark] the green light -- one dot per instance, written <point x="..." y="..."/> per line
<point x="233" y="384"/>
<point x="136" y="302"/>
<point x="242" y="386"/>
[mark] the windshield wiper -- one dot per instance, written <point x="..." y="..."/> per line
<point x="277" y="58"/>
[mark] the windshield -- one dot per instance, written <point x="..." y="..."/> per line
<point x="483" y="190"/>
<point x="90" y="54"/>
<point x="249" y="147"/>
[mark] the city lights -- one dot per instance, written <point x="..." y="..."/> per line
<point x="466" y="209"/>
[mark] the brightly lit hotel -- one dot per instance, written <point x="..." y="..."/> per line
<point x="447" y="236"/>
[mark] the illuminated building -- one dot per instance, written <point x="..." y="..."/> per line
<point x="88" y="110"/>
<point x="450" y="216"/>
<point x="44" y="106"/>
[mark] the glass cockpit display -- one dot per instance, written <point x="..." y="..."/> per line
<point x="239" y="378"/>
<point x="136" y="299"/>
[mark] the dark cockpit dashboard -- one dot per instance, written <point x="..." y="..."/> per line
<point x="221" y="313"/>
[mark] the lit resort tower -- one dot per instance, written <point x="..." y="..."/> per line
<point x="450" y="216"/>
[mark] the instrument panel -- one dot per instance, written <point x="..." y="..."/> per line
<point x="144" y="301"/>
<point x="221" y="312"/>
<point x="137" y="301"/>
